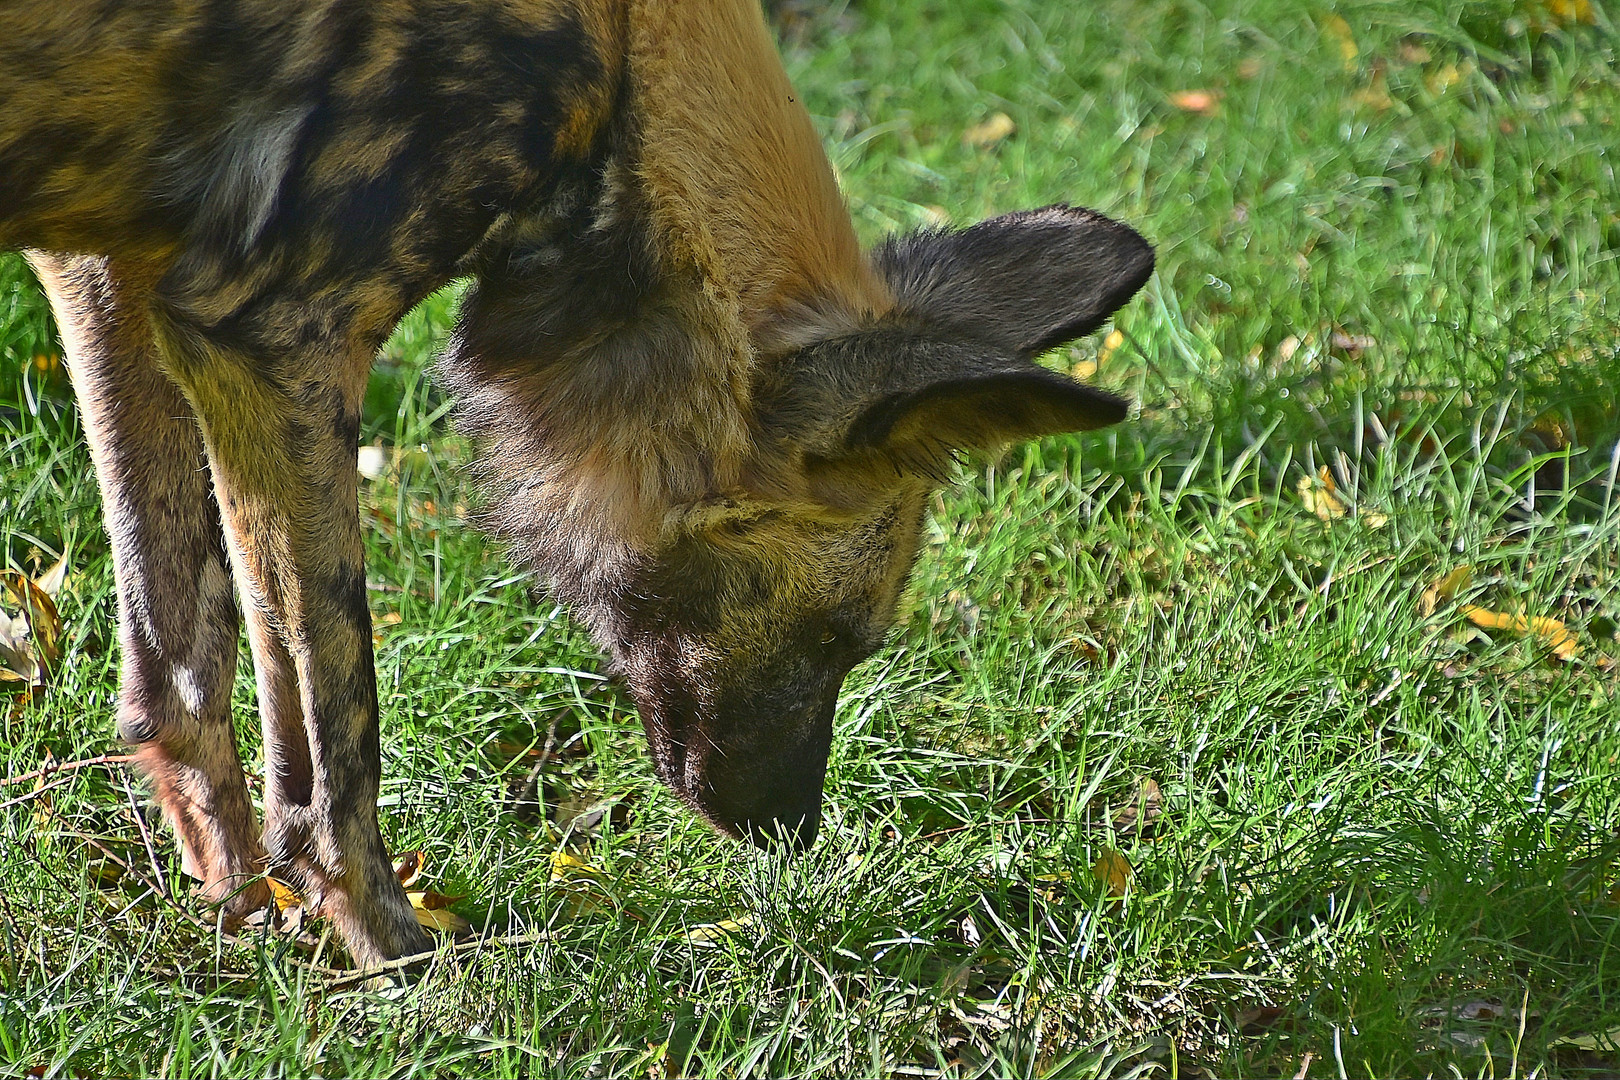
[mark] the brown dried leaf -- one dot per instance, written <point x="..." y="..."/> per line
<point x="1318" y="494"/>
<point x="1114" y="871"/>
<point x="408" y="867"/>
<point x="1140" y="814"/>
<point x="30" y="640"/>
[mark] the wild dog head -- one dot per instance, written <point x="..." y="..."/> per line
<point x="736" y="622"/>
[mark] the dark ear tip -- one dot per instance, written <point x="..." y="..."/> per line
<point x="1092" y="408"/>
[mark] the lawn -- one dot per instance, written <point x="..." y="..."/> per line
<point x="1272" y="733"/>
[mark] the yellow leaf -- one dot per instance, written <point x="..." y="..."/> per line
<point x="1339" y="31"/>
<point x="286" y="899"/>
<point x="1114" y="871"/>
<point x="1317" y="493"/>
<point x="1553" y="634"/>
<point x="1569" y="11"/>
<point x="1445" y="588"/>
<point x="1443" y="79"/>
<point x="1375" y="95"/>
<point x="715" y="932"/>
<point x="993" y="129"/>
<point x="1455" y="582"/>
<point x="1111" y="344"/>
<point x="566" y="865"/>
<point x="446" y="922"/>
<point x="428" y="900"/>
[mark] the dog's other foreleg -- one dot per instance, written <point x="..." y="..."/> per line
<point x="178" y="624"/>
<point x="282" y="437"/>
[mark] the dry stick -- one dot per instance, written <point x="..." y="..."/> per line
<point x="161" y="882"/>
<point x="68" y="766"/>
<point x="43" y="789"/>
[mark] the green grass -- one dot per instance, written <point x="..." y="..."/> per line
<point x="1376" y="816"/>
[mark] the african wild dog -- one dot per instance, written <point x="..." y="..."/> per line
<point x="709" y="421"/>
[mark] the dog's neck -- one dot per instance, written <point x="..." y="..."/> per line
<point x="711" y="239"/>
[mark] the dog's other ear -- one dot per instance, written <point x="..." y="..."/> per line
<point x="864" y="412"/>
<point x="1026" y="282"/>
<point x="977" y="403"/>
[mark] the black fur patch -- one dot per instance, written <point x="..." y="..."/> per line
<point x="1027" y="281"/>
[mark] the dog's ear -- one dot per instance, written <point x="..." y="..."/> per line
<point x="976" y="403"/>
<point x="951" y="369"/>
<point x="865" y="412"/>
<point x="1025" y="282"/>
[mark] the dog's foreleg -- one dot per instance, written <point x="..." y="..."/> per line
<point x="178" y="624"/>
<point x="282" y="438"/>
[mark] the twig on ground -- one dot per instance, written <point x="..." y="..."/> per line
<point x="43" y="789"/>
<point x="68" y="766"/>
<point x="160" y="882"/>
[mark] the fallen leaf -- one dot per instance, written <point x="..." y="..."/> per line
<point x="994" y="129"/>
<point x="1413" y="52"/>
<point x="1354" y="344"/>
<point x="1318" y="494"/>
<point x="1560" y="12"/>
<point x="30" y="640"/>
<point x="1202" y="102"/>
<point x="1443" y="78"/>
<point x="428" y="900"/>
<point x="1111" y="344"/>
<point x="566" y="865"/>
<point x="446" y="922"/>
<point x="1606" y="1042"/>
<point x="1338" y="31"/>
<point x="1553" y="633"/>
<point x="1139" y="815"/>
<point x="1375" y="95"/>
<point x="1444" y="588"/>
<point x="286" y="898"/>
<point x="408" y="867"/>
<point x="51" y="582"/>
<point x="711" y="934"/>
<point x="1114" y="871"/>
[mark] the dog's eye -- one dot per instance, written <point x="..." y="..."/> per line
<point x="829" y="637"/>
